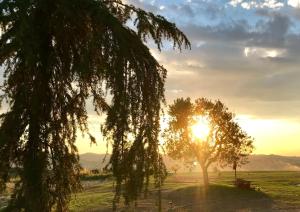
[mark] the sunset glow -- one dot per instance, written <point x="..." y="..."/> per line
<point x="200" y="129"/>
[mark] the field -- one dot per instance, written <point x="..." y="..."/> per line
<point x="274" y="191"/>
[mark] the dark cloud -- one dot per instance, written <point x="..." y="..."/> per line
<point x="272" y="32"/>
<point x="233" y="32"/>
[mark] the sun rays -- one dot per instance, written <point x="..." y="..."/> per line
<point x="200" y="129"/>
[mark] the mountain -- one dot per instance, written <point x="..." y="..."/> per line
<point x="93" y="161"/>
<point x="256" y="163"/>
<point x="272" y="163"/>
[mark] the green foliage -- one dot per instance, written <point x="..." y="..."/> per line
<point x="58" y="53"/>
<point x="226" y="143"/>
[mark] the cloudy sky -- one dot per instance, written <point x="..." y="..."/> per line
<point x="245" y="53"/>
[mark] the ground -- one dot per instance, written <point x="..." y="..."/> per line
<point x="273" y="191"/>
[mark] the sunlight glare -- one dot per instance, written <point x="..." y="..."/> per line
<point x="201" y="129"/>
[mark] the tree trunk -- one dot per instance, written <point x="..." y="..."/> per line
<point x="205" y="176"/>
<point x="235" y="174"/>
<point x="234" y="168"/>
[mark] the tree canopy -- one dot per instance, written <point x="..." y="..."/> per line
<point x="56" y="54"/>
<point x="224" y="142"/>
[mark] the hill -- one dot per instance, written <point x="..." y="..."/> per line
<point x="256" y="163"/>
<point x="93" y="161"/>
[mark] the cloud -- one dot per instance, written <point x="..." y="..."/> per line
<point x="246" y="4"/>
<point x="184" y="9"/>
<point x="294" y="3"/>
<point x="278" y="87"/>
<point x="264" y="52"/>
<point x="151" y="7"/>
<point x="247" y="55"/>
<point x="273" y="32"/>
<point x="232" y="32"/>
<point x="235" y="3"/>
<point x="270" y="33"/>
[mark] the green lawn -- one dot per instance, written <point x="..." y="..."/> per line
<point x="275" y="191"/>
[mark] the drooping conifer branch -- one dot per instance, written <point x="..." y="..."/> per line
<point x="58" y="53"/>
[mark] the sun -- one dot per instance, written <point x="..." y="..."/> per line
<point x="201" y="129"/>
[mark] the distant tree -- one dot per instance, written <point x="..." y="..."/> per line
<point x="57" y="54"/>
<point x="238" y="156"/>
<point x="175" y="168"/>
<point x="216" y="170"/>
<point x="223" y="138"/>
<point x="190" y="165"/>
<point x="95" y="171"/>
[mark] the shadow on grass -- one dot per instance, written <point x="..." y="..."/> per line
<point x="219" y="198"/>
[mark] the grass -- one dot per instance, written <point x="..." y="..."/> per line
<point x="275" y="191"/>
<point x="96" y="195"/>
<point x="282" y="187"/>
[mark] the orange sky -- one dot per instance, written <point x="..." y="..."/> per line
<point x="270" y="136"/>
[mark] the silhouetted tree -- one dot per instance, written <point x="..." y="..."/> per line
<point x="224" y="138"/>
<point x="58" y="53"/>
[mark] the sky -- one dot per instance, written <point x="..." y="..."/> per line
<point x="245" y="53"/>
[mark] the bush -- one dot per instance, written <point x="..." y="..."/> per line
<point x="91" y="177"/>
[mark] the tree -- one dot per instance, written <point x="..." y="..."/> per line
<point x="175" y="168"/>
<point x="190" y="165"/>
<point x="57" y="54"/>
<point x="238" y="155"/>
<point x="205" y="131"/>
